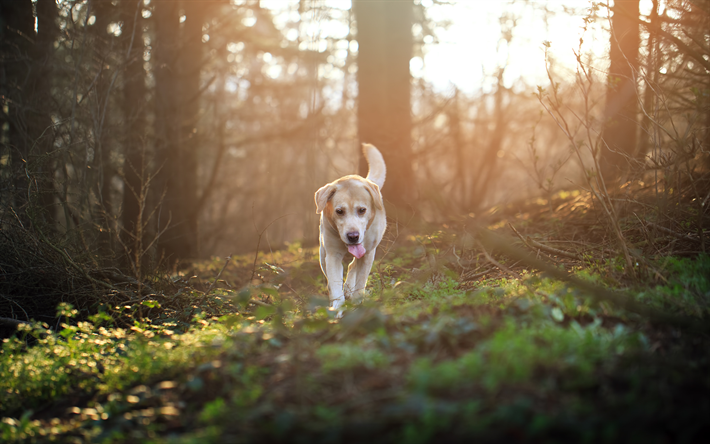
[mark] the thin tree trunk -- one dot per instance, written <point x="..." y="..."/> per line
<point x="459" y="143"/>
<point x="621" y="109"/>
<point x="41" y="131"/>
<point x="166" y="17"/>
<point x="649" y="94"/>
<point x="103" y="168"/>
<point x="487" y="163"/>
<point x="134" y="105"/>
<point x="190" y="63"/>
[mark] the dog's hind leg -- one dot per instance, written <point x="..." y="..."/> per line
<point x="362" y="270"/>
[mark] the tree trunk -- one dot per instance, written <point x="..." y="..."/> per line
<point x="384" y="113"/>
<point x="103" y="169"/>
<point x="486" y="165"/>
<point x="649" y="94"/>
<point x="42" y="132"/>
<point x="17" y="27"/>
<point x="166" y="16"/>
<point x="619" y="133"/>
<point x="177" y="64"/>
<point x="457" y="139"/>
<point x="134" y="102"/>
<point x="190" y="63"/>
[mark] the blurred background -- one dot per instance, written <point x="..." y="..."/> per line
<point x="161" y="130"/>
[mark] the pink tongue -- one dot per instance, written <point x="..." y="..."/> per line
<point x="357" y="250"/>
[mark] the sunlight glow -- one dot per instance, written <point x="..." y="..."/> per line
<point x="468" y="53"/>
<point x="471" y="49"/>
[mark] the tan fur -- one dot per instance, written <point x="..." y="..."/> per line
<point x="351" y="204"/>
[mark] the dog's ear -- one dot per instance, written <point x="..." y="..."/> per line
<point x="322" y="197"/>
<point x="374" y="191"/>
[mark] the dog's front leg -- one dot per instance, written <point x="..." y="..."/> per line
<point x="350" y="280"/>
<point x="362" y="270"/>
<point x="334" y="274"/>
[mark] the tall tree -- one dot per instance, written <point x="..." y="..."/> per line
<point x="134" y="114"/>
<point x="651" y="80"/>
<point x="384" y="35"/>
<point x="41" y="131"/>
<point x="486" y="164"/>
<point x="620" y="113"/>
<point x="103" y="168"/>
<point x="190" y="64"/>
<point x="178" y="60"/>
<point x="27" y="67"/>
<point x="17" y="33"/>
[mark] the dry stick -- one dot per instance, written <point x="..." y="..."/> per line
<point x="671" y="232"/>
<point x="498" y="264"/>
<point x="532" y="243"/>
<point x="258" y="242"/>
<point x="116" y="276"/>
<point x="477" y="275"/>
<point x="209" y="290"/>
<point x="596" y="292"/>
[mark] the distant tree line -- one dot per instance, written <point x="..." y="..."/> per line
<point x="152" y="131"/>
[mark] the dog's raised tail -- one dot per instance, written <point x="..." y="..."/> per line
<point x="377" y="169"/>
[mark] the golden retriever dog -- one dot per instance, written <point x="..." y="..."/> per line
<point x="352" y="220"/>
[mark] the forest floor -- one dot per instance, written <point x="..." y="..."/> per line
<point x="457" y="340"/>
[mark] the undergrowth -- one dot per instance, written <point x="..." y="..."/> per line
<point x="429" y="356"/>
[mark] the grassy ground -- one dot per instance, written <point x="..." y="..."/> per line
<point x="453" y="343"/>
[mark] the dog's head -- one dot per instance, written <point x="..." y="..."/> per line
<point x="349" y="204"/>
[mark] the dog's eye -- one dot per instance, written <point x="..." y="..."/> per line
<point x="340" y="211"/>
<point x="362" y="211"/>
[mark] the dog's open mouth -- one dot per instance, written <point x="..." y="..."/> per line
<point x="357" y="250"/>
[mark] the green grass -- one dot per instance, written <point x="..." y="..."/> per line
<point x="421" y="360"/>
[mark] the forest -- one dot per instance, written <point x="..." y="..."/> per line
<point x="543" y="277"/>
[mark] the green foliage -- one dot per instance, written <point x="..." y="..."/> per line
<point x="336" y="357"/>
<point x="89" y="358"/>
<point x="513" y="354"/>
<point x="686" y="288"/>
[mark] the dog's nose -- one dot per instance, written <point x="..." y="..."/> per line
<point x="353" y="237"/>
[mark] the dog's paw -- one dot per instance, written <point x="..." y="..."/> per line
<point x="337" y="303"/>
<point x="335" y="306"/>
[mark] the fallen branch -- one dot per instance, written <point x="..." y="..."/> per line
<point x="498" y="264"/>
<point x="532" y="243"/>
<point x="671" y="232"/>
<point x="118" y="277"/>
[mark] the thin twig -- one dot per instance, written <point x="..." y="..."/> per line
<point x="209" y="290"/>
<point x="258" y="242"/>
<point x="77" y="267"/>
